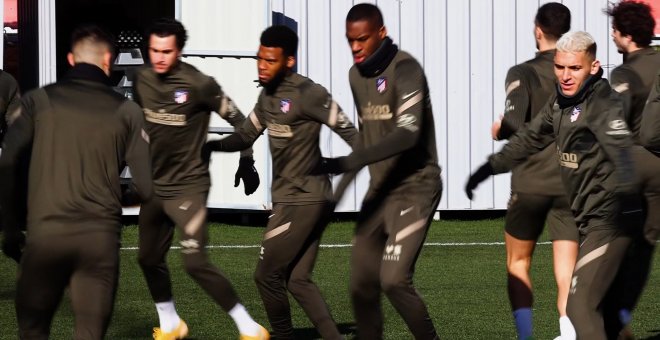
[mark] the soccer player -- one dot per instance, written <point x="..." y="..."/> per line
<point x="586" y="120"/>
<point x="632" y="30"/>
<point x="77" y="134"/>
<point x="292" y="109"/>
<point x="536" y="191"/>
<point x="397" y="139"/>
<point x="177" y="100"/>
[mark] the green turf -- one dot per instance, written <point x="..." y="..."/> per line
<point x="464" y="287"/>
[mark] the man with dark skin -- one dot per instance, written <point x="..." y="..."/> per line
<point x="397" y="139"/>
<point x="177" y="101"/>
<point x="586" y="120"/>
<point x="632" y="31"/>
<point x="292" y="108"/>
<point x="537" y="196"/>
<point x="78" y="135"/>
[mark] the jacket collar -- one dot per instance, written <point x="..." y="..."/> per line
<point x="89" y="72"/>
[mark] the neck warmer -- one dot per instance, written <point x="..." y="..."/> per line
<point x="379" y="60"/>
<point x="84" y="71"/>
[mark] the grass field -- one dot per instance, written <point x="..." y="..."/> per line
<point x="460" y="273"/>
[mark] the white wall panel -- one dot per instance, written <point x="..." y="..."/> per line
<point x="436" y="68"/>
<point x="458" y="102"/>
<point x="578" y="15"/>
<point x="391" y="10"/>
<point x="213" y="24"/>
<point x="412" y="31"/>
<point x="504" y="55"/>
<point x="481" y="94"/>
<point x="524" y="44"/>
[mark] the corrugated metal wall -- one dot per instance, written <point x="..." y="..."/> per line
<point x="466" y="48"/>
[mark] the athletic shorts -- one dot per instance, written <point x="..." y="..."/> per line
<point x="527" y="215"/>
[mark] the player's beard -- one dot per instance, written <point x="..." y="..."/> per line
<point x="272" y="85"/>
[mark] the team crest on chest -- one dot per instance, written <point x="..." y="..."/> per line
<point x="381" y="84"/>
<point x="285" y="105"/>
<point x="575" y="114"/>
<point x="180" y="96"/>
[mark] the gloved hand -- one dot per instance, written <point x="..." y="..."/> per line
<point x="129" y="196"/>
<point x="484" y="171"/>
<point x="12" y="244"/>
<point x="248" y="173"/>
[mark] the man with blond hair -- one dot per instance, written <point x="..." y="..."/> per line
<point x="537" y="196"/>
<point x="585" y="118"/>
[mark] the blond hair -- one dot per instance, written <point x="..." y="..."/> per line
<point x="577" y="41"/>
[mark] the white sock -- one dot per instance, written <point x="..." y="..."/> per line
<point x="169" y="319"/>
<point x="566" y="328"/>
<point x="246" y="325"/>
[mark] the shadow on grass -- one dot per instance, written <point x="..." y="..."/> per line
<point x="311" y="333"/>
<point x="8" y="294"/>
<point x="655" y="336"/>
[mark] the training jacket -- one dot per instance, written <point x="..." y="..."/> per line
<point x="529" y="86"/>
<point x="78" y="135"/>
<point x="593" y="149"/>
<point x="177" y="108"/>
<point x="397" y="132"/>
<point x="650" y="125"/>
<point x="634" y="79"/>
<point x="292" y="112"/>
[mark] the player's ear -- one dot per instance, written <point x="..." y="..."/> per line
<point x="382" y="32"/>
<point x="595" y="66"/>
<point x="538" y="33"/>
<point x="107" y="62"/>
<point x="69" y="58"/>
<point x="290" y="61"/>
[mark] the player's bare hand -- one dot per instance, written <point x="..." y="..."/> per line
<point x="495" y="129"/>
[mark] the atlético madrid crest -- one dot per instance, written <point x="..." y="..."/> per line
<point x="285" y="105"/>
<point x="381" y="84"/>
<point x="575" y="114"/>
<point x="180" y="96"/>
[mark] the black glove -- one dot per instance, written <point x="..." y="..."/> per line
<point x="129" y="195"/>
<point x="248" y="173"/>
<point x="12" y="244"/>
<point x="477" y="177"/>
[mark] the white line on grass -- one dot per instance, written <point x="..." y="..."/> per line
<point x="347" y="245"/>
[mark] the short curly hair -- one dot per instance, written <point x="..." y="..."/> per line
<point x="633" y="18"/>
<point x="164" y="27"/>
